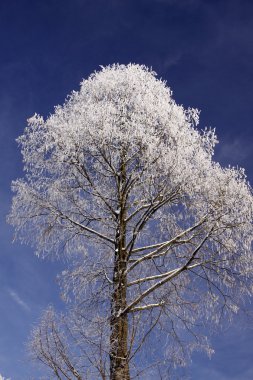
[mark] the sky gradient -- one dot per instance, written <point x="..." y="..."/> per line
<point x="204" y="49"/>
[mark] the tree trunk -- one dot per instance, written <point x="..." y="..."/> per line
<point x="119" y="364"/>
<point x="119" y="368"/>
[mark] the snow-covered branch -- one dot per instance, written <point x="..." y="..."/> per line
<point x="169" y="276"/>
<point x="146" y="307"/>
<point x="86" y="228"/>
<point x="161" y="246"/>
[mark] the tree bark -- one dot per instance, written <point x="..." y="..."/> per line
<point x="119" y="361"/>
<point x="119" y="368"/>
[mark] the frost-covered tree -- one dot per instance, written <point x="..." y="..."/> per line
<point x="3" y="378"/>
<point x="121" y="182"/>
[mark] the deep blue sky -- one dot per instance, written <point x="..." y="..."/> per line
<point x="204" y="49"/>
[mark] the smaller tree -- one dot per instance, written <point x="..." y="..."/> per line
<point x="120" y="180"/>
<point x="62" y="344"/>
<point x="49" y="345"/>
<point x="3" y="378"/>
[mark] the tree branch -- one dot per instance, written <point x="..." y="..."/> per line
<point x="104" y="237"/>
<point x="146" y="307"/>
<point x="162" y="245"/>
<point x="169" y="277"/>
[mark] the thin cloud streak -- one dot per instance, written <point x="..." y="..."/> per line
<point x="235" y="150"/>
<point x="16" y="298"/>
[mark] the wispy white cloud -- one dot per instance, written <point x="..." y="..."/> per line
<point x="14" y="295"/>
<point x="217" y="374"/>
<point x="237" y="149"/>
<point x="172" y="60"/>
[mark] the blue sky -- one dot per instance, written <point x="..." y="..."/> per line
<point x="204" y="49"/>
